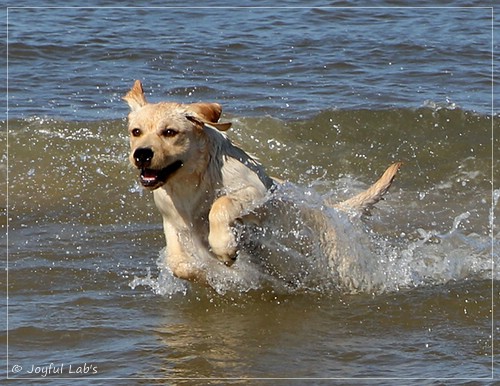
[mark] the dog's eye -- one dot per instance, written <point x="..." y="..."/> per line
<point x="136" y="132"/>
<point x="169" y="132"/>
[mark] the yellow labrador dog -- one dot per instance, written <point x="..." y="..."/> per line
<point x="202" y="183"/>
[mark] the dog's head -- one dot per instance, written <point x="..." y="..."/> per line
<point x="166" y="138"/>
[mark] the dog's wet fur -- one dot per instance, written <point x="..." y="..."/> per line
<point x="203" y="183"/>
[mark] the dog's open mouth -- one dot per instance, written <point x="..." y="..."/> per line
<point x="151" y="178"/>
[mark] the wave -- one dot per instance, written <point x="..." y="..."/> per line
<point x="435" y="225"/>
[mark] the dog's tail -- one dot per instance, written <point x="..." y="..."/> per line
<point x="364" y="201"/>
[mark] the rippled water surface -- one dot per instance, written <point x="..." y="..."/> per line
<point x="327" y="98"/>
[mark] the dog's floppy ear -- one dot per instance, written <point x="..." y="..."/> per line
<point x="207" y="113"/>
<point x="135" y="97"/>
<point x="210" y="112"/>
<point x="196" y="119"/>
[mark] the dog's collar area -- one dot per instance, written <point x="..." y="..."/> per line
<point x="151" y="178"/>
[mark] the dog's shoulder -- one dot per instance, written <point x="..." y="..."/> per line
<point x="238" y="168"/>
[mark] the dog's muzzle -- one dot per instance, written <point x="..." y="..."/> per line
<point x="153" y="178"/>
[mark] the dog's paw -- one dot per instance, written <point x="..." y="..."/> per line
<point x="228" y="258"/>
<point x="224" y="246"/>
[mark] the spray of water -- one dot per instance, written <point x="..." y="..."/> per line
<point x="304" y="245"/>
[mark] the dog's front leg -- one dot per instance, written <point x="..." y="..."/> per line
<point x="225" y="210"/>
<point x="183" y="268"/>
<point x="180" y="263"/>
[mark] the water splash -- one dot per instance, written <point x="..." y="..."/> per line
<point x="437" y="258"/>
<point x="166" y="284"/>
<point x="303" y="245"/>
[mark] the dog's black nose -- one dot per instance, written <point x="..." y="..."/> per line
<point x="143" y="157"/>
